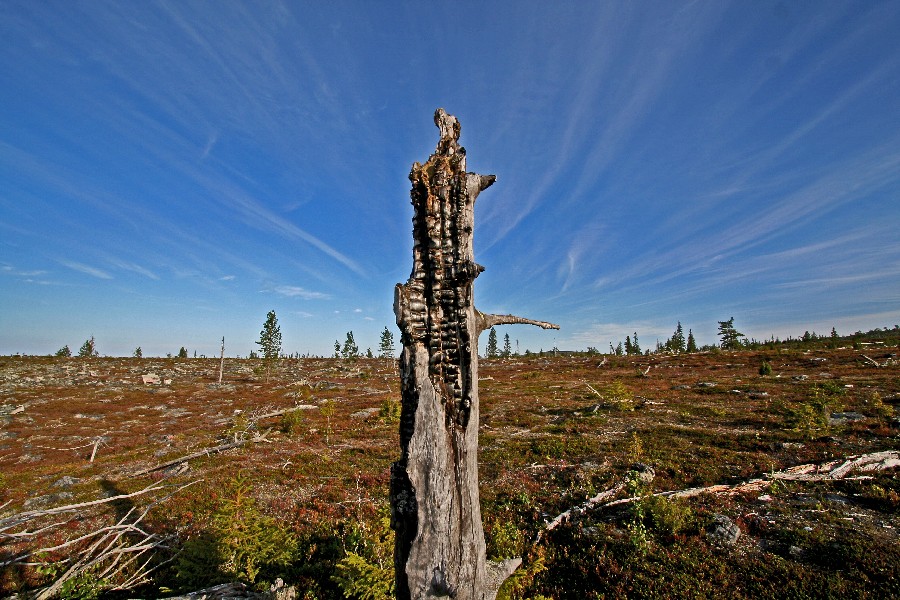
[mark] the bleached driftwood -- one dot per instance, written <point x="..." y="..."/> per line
<point x="828" y="471"/>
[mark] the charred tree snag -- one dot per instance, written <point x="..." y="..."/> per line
<point x="435" y="511"/>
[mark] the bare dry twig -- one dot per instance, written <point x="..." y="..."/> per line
<point x="110" y="550"/>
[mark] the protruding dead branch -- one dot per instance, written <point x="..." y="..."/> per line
<point x="486" y="321"/>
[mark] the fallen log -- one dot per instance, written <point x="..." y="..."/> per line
<point x="221" y="448"/>
<point x="832" y="470"/>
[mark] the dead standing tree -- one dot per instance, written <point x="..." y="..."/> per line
<point x="435" y="511"/>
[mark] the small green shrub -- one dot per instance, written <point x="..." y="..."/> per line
<point x="83" y="586"/>
<point x="765" y="368"/>
<point x="390" y="410"/>
<point x="667" y="517"/>
<point x="877" y="408"/>
<point x="504" y="540"/>
<point x="292" y="421"/>
<point x="810" y="417"/>
<point x="638" y="535"/>
<point x="366" y="572"/>
<point x="241" y="543"/>
<point x="616" y="395"/>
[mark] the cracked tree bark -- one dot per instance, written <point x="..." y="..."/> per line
<point x="435" y="511"/>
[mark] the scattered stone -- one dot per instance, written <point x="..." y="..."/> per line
<point x="842" y="418"/>
<point x="800" y="377"/>
<point x="11" y="409"/>
<point x="90" y="417"/>
<point x="706" y="384"/>
<point x="758" y="395"/>
<point x="219" y="592"/>
<point x="47" y="500"/>
<point x="644" y="472"/>
<point x="179" y="469"/>
<point x="792" y="445"/>
<point x="723" y="531"/>
<point x="280" y="591"/>
<point x="150" y="379"/>
<point x="365" y="413"/>
<point x="681" y="387"/>
<point x="66" y="481"/>
<point x="225" y="387"/>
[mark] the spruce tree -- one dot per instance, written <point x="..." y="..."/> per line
<point x="270" y="341"/>
<point x="64" y="351"/>
<point x="492" y="350"/>
<point x="691" y="342"/>
<point x="138" y="353"/>
<point x="350" y="350"/>
<point x="731" y="337"/>
<point x="507" y="346"/>
<point x="635" y="346"/>
<point x="628" y="350"/>
<point x="182" y="352"/>
<point x="677" y="344"/>
<point x="88" y="348"/>
<point x="386" y="347"/>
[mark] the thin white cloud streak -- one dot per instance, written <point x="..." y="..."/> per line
<point x="12" y="271"/>
<point x="132" y="267"/>
<point x="292" y="291"/>
<point x="87" y="270"/>
<point x="600" y="335"/>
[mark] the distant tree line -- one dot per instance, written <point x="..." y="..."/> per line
<point x="729" y="339"/>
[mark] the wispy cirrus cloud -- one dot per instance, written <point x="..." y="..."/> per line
<point x="133" y="267"/>
<point x="292" y="291"/>
<point x="605" y="333"/>
<point x="10" y="270"/>
<point x="86" y="269"/>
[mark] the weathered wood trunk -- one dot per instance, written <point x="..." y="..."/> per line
<point x="435" y="511"/>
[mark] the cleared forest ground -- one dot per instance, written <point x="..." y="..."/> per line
<point x="313" y="446"/>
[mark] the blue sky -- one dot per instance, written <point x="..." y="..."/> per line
<point x="171" y="171"/>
